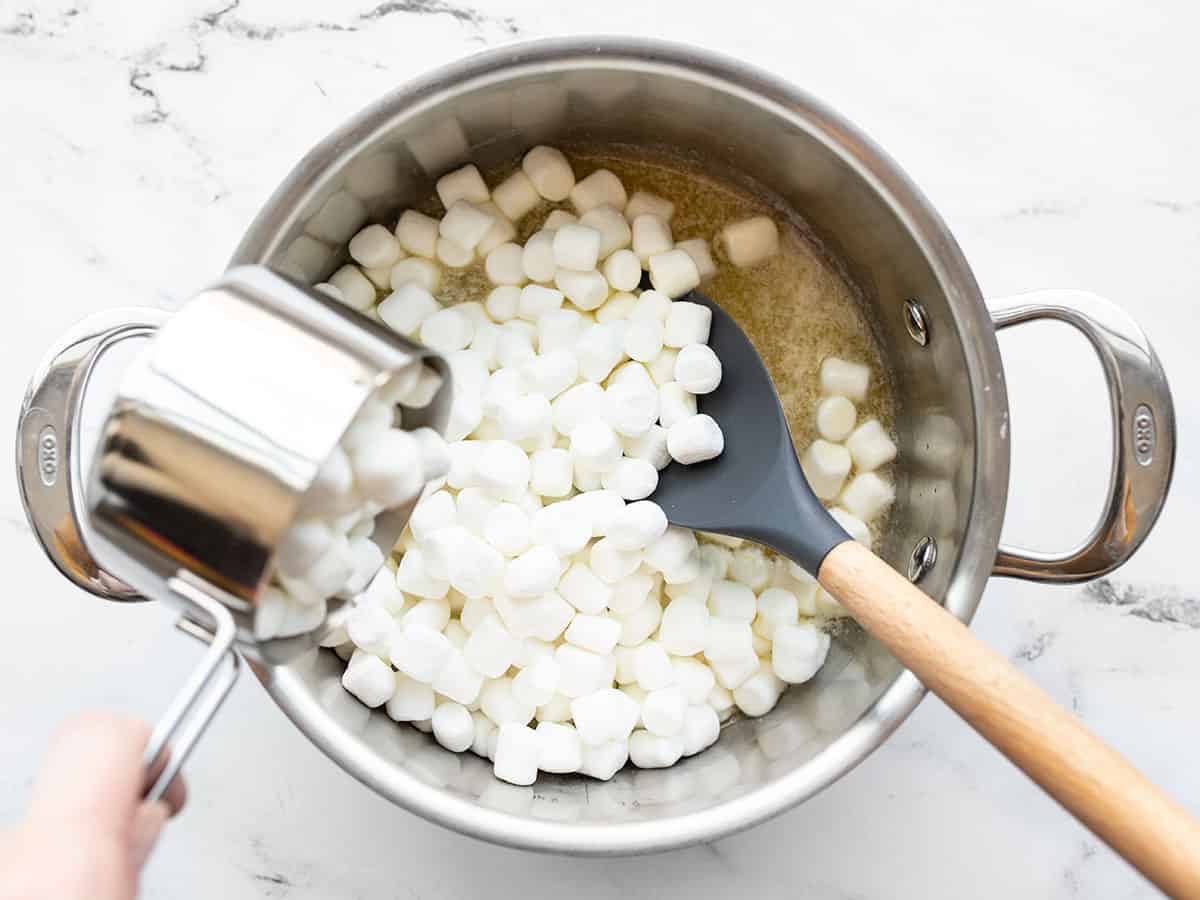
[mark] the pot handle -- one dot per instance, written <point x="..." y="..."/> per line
<point x="1143" y="419"/>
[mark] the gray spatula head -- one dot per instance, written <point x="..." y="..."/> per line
<point x="756" y="488"/>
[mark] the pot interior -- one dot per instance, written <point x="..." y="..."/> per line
<point x="738" y="125"/>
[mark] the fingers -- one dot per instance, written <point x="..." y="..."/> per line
<point x="148" y="823"/>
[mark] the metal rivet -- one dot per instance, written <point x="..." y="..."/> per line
<point x="924" y="557"/>
<point x="916" y="322"/>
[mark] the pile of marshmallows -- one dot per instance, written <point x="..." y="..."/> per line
<point x="542" y="613"/>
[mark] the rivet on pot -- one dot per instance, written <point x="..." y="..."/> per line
<point x="915" y="322"/>
<point x="924" y="557"/>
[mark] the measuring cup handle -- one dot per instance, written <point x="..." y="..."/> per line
<point x="48" y="464"/>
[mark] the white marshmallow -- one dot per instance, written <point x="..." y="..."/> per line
<point x="465" y="224"/>
<point x="845" y="379"/>
<point x="464" y="463"/>
<point x="632" y="479"/>
<point x="550" y="472"/>
<point x="332" y="487"/>
<point x="751" y="567"/>
<point x="732" y="602"/>
<point x="604" y="715"/>
<point x="698" y="369"/>
<point x="597" y="633"/>
<point x="304" y="543"/>
<point x="537" y="684"/>
<point x="424" y="272"/>
<point x="564" y="527"/>
<point x="371" y="628"/>
<point x="543" y="617"/>
<point x="758" y="694"/>
<point x="651" y="236"/>
<point x="533" y="573"/>
<point x="650" y="446"/>
<point x="413" y="578"/>
<point x="638" y="525"/>
<point x="600" y="508"/>
<point x="595" y="445"/>
<point x="610" y="564"/>
<point x="870" y="446"/>
<point x="664" y="711"/>
<point x="417" y="233"/>
<point x="502" y="231"/>
<point x="513" y="347"/>
<point x="695" y="439"/>
<point x="825" y="466"/>
<point x="453" y="727"/>
<point x="835" y="418"/>
<point x="855" y="527"/>
<point x="462" y="184"/>
<point x="653" y="751"/>
<point x="604" y="760"/>
<point x="798" y="651"/>
<point x="687" y="323"/>
<point x="776" y="607"/>
<point x="537" y="300"/>
<point x="617" y="307"/>
<point x="662" y="367"/>
<point x="447" y="330"/>
<point x="701" y="728"/>
<point x="537" y="259"/>
<point x="600" y="188"/>
<point x="365" y="559"/>
<point x="485" y="342"/>
<point x="550" y="374"/>
<point x="389" y="470"/>
<point x="330" y="290"/>
<point x="435" y="453"/>
<point x="524" y="417"/>
<point x="490" y="648"/>
<point x="374" y="248"/>
<point x="613" y="229"/>
<point x="581" y="587"/>
<point x="673" y="273"/>
<point x="697" y="249"/>
<point x="684" y="627"/>
<point x="750" y="241"/>
<point x="652" y="666"/>
<point x="576" y="247"/>
<point x="454" y="255"/>
<point x="550" y="172"/>
<point x="413" y="701"/>
<point x="675" y="404"/>
<point x="502" y="302"/>
<point x="356" y="289"/>
<point x="517" y="753"/>
<point x="631" y="409"/>
<point x="623" y="270"/>
<point x="587" y="290"/>
<point x="867" y="496"/>
<point x="558" y="218"/>
<point x="507" y="528"/>
<point x="419" y="652"/>
<point x="458" y="679"/>
<point x="644" y="203"/>
<point x="728" y="641"/>
<point x="503" y="468"/>
<point x="671" y="551"/>
<point x="644" y="339"/>
<point x="721" y="700"/>
<point x="516" y="195"/>
<point x="560" y="749"/>
<point x="557" y="710"/>
<point x="559" y="329"/>
<point x="693" y="677"/>
<point x="505" y="264"/>
<point x="631" y="593"/>
<point x="734" y="672"/>
<point x="485" y="734"/>
<point x="582" y="672"/>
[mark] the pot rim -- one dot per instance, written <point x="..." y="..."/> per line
<point x="988" y="398"/>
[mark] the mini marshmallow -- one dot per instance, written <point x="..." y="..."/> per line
<point x="304" y="543"/>
<point x="750" y="567"/>
<point x="485" y="734"/>
<point x="631" y="593"/>
<point x="610" y="564"/>
<point x="695" y="439"/>
<point x="576" y="247"/>
<point x="465" y="224"/>
<point x="623" y="270"/>
<point x="599" y="348"/>
<point x="644" y="339"/>
<point x="698" y="369"/>
<point x="597" y="633"/>
<point x="587" y="290"/>
<point x="516" y="195"/>
<point x="464" y="463"/>
<point x="652" y="666"/>
<point x="644" y="203"/>
<point x="651" y="236"/>
<point x="559" y="329"/>
<point x="671" y="550"/>
<point x="728" y="641"/>
<point x="462" y="184"/>
<point x="365" y="559"/>
<point x="604" y="715"/>
<point x="697" y="249"/>
<point x="867" y="496"/>
<point x="845" y="379"/>
<point x="687" y="323"/>
<point x="617" y="306"/>
<point x="662" y="367"/>
<point x="798" y="651"/>
<point x="855" y="527"/>
<point x="776" y="607"/>
<point x="825" y="466"/>
<point x="664" y="711"/>
<point x="453" y="727"/>
<point x="417" y="233"/>
<point x="835" y="418"/>
<point x="701" y="728"/>
<point x="505" y="264"/>
<point x="693" y="677"/>
<point x="732" y="602"/>
<point x="557" y="710"/>
<point x="653" y="751"/>
<point x="356" y="289"/>
<point x="446" y="330"/>
<point x="581" y="587"/>
<point x="485" y="341"/>
<point x="549" y="172"/>
<point x="389" y="470"/>
<point x="424" y="272"/>
<point x="595" y="445"/>
<point x="684" y="627"/>
<point x="452" y="254"/>
<point x="630" y="409"/>
<point x="507" y="528"/>
<point x="550" y="374"/>
<point x="614" y="231"/>
<point x="543" y="617"/>
<point x="673" y="273"/>
<point x="517" y="752"/>
<point x="490" y="648"/>
<point x="533" y="573"/>
<point x="633" y="479"/>
<point x="413" y="578"/>
<point x="564" y="527"/>
<point x="581" y="671"/>
<point x="369" y="679"/>
<point x="560" y="749"/>
<point x="558" y="218"/>
<point x="502" y="302"/>
<point x="870" y="446"/>
<point x="650" y="446"/>
<point x="750" y="241"/>
<point x="331" y="488"/>
<point x="374" y="248"/>
<point x="419" y="652"/>
<point x="413" y="701"/>
<point x="758" y="694"/>
<point x="732" y="673"/>
<point x="371" y="628"/>
<point x="330" y="290"/>
<point x="503" y="468"/>
<point x="604" y="760"/>
<point x="537" y="259"/>
<point x="474" y="611"/>
<point x="638" y="525"/>
<point x="502" y="231"/>
<point x="600" y="508"/>
<point x="537" y="683"/>
<point x="524" y="417"/>
<point x="675" y="404"/>
<point x="551" y="472"/>
<point x="513" y="347"/>
<point x="458" y="679"/>
<point x="600" y="188"/>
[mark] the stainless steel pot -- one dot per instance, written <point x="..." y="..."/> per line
<point x="938" y="337"/>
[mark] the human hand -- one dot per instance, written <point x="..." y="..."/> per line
<point x="88" y="832"/>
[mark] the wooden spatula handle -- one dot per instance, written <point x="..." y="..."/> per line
<point x="1095" y="783"/>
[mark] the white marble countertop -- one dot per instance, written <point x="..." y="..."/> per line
<point x="1060" y="142"/>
